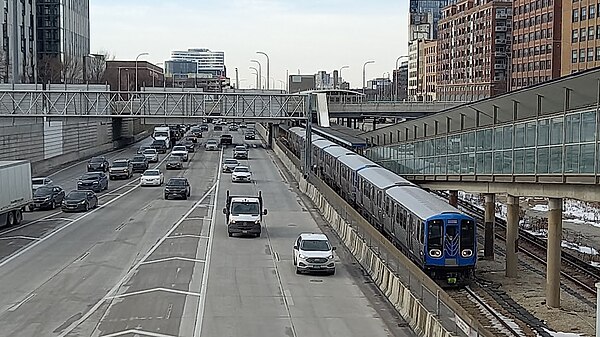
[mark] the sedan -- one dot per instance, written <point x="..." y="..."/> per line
<point x="47" y="197"/>
<point x="241" y="174"/>
<point x="174" y="162"/>
<point x="77" y="201"/>
<point x="152" y="178"/>
<point x="39" y="182"/>
<point x="140" y="163"/>
<point x="143" y="148"/>
<point x="98" y="164"/>
<point x="189" y="145"/>
<point x="178" y="187"/>
<point x="151" y="155"/>
<point x="229" y="165"/>
<point x="95" y="181"/>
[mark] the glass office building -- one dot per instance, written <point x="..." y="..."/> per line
<point x="419" y="10"/>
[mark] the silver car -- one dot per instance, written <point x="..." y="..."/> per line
<point x="212" y="145"/>
<point x="151" y="155"/>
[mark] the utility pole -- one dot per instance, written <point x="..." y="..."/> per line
<point x="237" y="79"/>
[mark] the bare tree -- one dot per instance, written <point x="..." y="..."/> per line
<point x="72" y="69"/>
<point x="49" y="69"/>
<point x="96" y="65"/>
<point x="4" y="70"/>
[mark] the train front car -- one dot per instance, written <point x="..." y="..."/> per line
<point x="450" y="248"/>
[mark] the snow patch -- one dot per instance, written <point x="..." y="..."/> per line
<point x="540" y="208"/>
<point x="562" y="334"/>
<point x="495" y="315"/>
<point x="579" y="248"/>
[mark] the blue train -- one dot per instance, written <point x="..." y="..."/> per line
<point x="433" y="234"/>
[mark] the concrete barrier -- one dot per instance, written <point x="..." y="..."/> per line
<point x="423" y="322"/>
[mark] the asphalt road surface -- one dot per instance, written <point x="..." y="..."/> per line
<point x="141" y="265"/>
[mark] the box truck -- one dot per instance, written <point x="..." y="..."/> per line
<point x="16" y="191"/>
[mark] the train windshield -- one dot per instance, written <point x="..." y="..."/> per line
<point x="435" y="234"/>
<point x="467" y="234"/>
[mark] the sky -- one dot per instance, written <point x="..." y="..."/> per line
<point x="301" y="35"/>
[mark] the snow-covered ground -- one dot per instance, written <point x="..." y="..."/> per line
<point x="540" y="208"/>
<point x="562" y="334"/>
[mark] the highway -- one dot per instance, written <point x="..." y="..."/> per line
<point x="142" y="265"/>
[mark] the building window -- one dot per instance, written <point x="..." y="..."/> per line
<point x="597" y="53"/>
<point x="575" y="15"/>
<point x="574" y="56"/>
<point x="590" y="56"/>
<point x="583" y="13"/>
<point x="574" y="36"/>
<point x="581" y="55"/>
<point x="591" y="33"/>
<point x="582" y="34"/>
<point x="592" y="11"/>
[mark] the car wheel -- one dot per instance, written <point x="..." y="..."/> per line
<point x="31" y="208"/>
<point x="111" y="178"/>
<point x="185" y="197"/>
<point x="257" y="235"/>
<point x="18" y="217"/>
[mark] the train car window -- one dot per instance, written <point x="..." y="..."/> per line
<point x="404" y="219"/>
<point x="467" y="234"/>
<point x="379" y="199"/>
<point x="435" y="233"/>
<point x="387" y="205"/>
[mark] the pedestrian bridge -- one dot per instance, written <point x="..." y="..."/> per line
<point x="538" y="141"/>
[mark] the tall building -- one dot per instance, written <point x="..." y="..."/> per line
<point x="63" y="39"/>
<point x="17" y="57"/>
<point x="400" y="77"/>
<point x="208" y="62"/>
<point x="473" y="46"/>
<point x="323" y="80"/>
<point x="418" y="50"/>
<point x="536" y="52"/>
<point x="429" y="52"/>
<point x="424" y="17"/>
<point x="580" y="35"/>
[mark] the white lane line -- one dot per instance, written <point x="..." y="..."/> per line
<point x="16" y="306"/>
<point x="288" y="296"/>
<point x="133" y="270"/>
<point x="23" y="237"/>
<point x="188" y="236"/>
<point x="166" y="290"/>
<point x="137" y="332"/>
<point x="174" y="258"/>
<point x="205" y="271"/>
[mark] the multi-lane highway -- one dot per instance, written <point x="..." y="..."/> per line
<point x="143" y="265"/>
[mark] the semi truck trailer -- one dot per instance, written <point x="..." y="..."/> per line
<point x="16" y="191"/>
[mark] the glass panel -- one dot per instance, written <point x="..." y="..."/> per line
<point x="453" y="164"/>
<point x="586" y="161"/>
<point x="507" y="162"/>
<point x="498" y="162"/>
<point x="440" y="147"/>
<point x="487" y="162"/>
<point x="498" y="138"/>
<point x="572" y="158"/>
<point x="441" y="165"/>
<point x="454" y="144"/>
<point x="464" y="163"/>
<point x="470" y="142"/>
<point x="542" y="160"/>
<point x="572" y="126"/>
<point x="508" y="137"/>
<point x="556" y="159"/>
<point x="480" y="140"/>
<point x="530" y="134"/>
<point x="556" y="135"/>
<point x="529" y="161"/>
<point x="480" y="163"/>
<point x="519" y="161"/>
<point x="519" y="136"/>
<point x="588" y="126"/>
<point x="543" y="132"/>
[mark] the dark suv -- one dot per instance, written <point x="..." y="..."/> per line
<point x="98" y="164"/>
<point x="178" y="187"/>
<point x="121" y="168"/>
<point x="226" y="140"/>
<point x="47" y="197"/>
<point x="160" y="146"/>
<point x="139" y="163"/>
<point x="93" y="181"/>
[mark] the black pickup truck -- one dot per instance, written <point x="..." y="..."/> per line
<point x="226" y="140"/>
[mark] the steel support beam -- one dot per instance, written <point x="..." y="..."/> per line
<point x="453" y="199"/>
<point x="490" y="217"/>
<point x="554" y="251"/>
<point x="512" y="236"/>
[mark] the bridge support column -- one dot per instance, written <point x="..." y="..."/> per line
<point x="270" y="134"/>
<point x="453" y="199"/>
<point x="512" y="236"/>
<point x="355" y="123"/>
<point x="349" y="122"/>
<point x="490" y="219"/>
<point x="374" y="124"/>
<point x="554" y="250"/>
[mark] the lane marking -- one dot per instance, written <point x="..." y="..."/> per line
<point x="166" y="290"/>
<point x="16" y="306"/>
<point x="175" y="258"/>
<point x="188" y="236"/>
<point x="133" y="270"/>
<point x="137" y="332"/>
<point x="288" y="295"/>
<point x="20" y="237"/>
<point x="205" y="271"/>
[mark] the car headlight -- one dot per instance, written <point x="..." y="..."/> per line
<point x="466" y="253"/>
<point x="301" y="256"/>
<point x="64" y="202"/>
<point x="330" y="257"/>
<point x="82" y="203"/>
<point x="435" y="253"/>
<point x="79" y="183"/>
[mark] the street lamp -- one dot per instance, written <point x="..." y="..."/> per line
<point x="259" y="73"/>
<point x="136" y="69"/>
<point x="365" y="74"/>
<point x="268" y="66"/>
<point x="396" y="82"/>
<point x="257" y="77"/>
<point x="340" y="75"/>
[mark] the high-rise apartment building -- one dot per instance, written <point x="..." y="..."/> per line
<point x="536" y="54"/>
<point x="429" y="52"/>
<point x="580" y="35"/>
<point x="63" y="39"/>
<point x="400" y="77"/>
<point x="424" y="17"/>
<point x="208" y="62"/>
<point x="323" y="80"/>
<point x="473" y="48"/>
<point x="17" y="57"/>
<point x="414" y="85"/>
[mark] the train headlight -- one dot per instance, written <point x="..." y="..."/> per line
<point x="435" y="253"/>
<point x="466" y="253"/>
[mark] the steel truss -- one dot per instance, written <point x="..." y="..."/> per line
<point x="53" y="103"/>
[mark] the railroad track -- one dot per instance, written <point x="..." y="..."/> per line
<point x="573" y="269"/>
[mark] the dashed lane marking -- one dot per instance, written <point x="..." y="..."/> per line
<point x="175" y="258"/>
<point x="22" y="237"/>
<point x="136" y="332"/>
<point x="166" y="290"/>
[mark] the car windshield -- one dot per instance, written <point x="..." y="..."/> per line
<point x="231" y="161"/>
<point x="159" y="142"/>
<point x="39" y="181"/>
<point x="76" y="195"/>
<point x="250" y="208"/>
<point x="42" y="191"/>
<point x="161" y="134"/>
<point x="153" y="151"/>
<point x="152" y="173"/>
<point x="174" y="158"/>
<point x="176" y="182"/>
<point x="315" y="245"/>
<point x="120" y="164"/>
<point x="241" y="169"/>
<point x="139" y="158"/>
<point x="179" y="148"/>
<point x="211" y="141"/>
<point x="240" y="148"/>
<point x="90" y="176"/>
<point x="97" y="160"/>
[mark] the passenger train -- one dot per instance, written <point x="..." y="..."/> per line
<point x="436" y="236"/>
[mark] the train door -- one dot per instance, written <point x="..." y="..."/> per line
<point x="354" y="186"/>
<point x="409" y="232"/>
<point x="388" y="223"/>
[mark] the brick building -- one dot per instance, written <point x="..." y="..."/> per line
<point x="536" y="55"/>
<point x="472" y="51"/>
<point x="580" y="35"/>
<point x="120" y="75"/>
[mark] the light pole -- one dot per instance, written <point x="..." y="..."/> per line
<point x="273" y="83"/>
<point x="136" y="69"/>
<point x="262" y="78"/>
<point x="340" y="75"/>
<point x="259" y="73"/>
<point x="237" y="79"/>
<point x="396" y="82"/>
<point x="365" y="74"/>
<point x="268" y="66"/>
<point x="257" y="77"/>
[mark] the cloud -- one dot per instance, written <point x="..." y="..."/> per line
<point x="309" y="35"/>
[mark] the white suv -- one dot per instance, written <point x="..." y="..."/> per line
<point x="180" y="151"/>
<point x="313" y="252"/>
